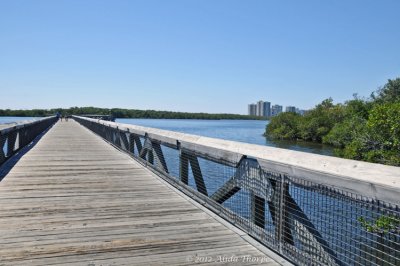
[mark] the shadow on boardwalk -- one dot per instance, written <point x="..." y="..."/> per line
<point x="10" y="163"/>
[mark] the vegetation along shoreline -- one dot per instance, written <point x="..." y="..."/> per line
<point x="360" y="129"/>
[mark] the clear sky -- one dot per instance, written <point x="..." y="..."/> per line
<point x="194" y="55"/>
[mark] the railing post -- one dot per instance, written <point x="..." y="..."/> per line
<point x="131" y="141"/>
<point x="279" y="223"/>
<point x="22" y="137"/>
<point x="257" y="210"/>
<point x="183" y="167"/>
<point x="12" y="137"/>
<point x="162" y="164"/>
<point x="279" y="213"/>
<point x="124" y="141"/>
<point x="2" y="143"/>
<point x="186" y="158"/>
<point x="117" y="140"/>
<point x="197" y="174"/>
<point x="150" y="155"/>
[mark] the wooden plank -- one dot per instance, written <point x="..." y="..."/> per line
<point x="76" y="200"/>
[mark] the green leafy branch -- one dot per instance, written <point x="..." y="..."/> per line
<point x="382" y="225"/>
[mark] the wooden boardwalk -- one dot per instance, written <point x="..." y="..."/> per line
<point x="73" y="199"/>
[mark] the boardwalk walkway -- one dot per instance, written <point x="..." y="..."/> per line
<point x="74" y="199"/>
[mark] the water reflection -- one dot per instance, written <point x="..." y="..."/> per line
<point x="302" y="146"/>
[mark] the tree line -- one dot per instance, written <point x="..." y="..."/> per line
<point x="366" y="129"/>
<point x="124" y="113"/>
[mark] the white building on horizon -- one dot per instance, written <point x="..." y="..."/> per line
<point x="263" y="108"/>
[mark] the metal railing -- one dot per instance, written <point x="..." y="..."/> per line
<point x="311" y="209"/>
<point x="14" y="137"/>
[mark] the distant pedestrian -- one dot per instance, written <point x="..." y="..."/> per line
<point x="66" y="118"/>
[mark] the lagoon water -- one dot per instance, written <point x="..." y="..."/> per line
<point x="249" y="131"/>
<point x="15" y="119"/>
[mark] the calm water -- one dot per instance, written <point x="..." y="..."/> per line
<point x="15" y="119"/>
<point x="249" y="131"/>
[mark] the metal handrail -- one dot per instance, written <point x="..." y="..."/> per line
<point x="304" y="206"/>
<point x="376" y="181"/>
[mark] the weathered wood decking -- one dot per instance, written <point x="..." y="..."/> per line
<point x="74" y="199"/>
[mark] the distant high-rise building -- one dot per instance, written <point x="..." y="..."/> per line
<point x="252" y="109"/>
<point x="276" y="109"/>
<point x="291" y="109"/>
<point x="267" y="109"/>
<point x="260" y="108"/>
<point x="263" y="108"/>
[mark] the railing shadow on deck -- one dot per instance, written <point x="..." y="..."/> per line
<point x="305" y="207"/>
<point x="17" y="140"/>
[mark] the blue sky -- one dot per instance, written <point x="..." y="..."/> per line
<point x="194" y="55"/>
